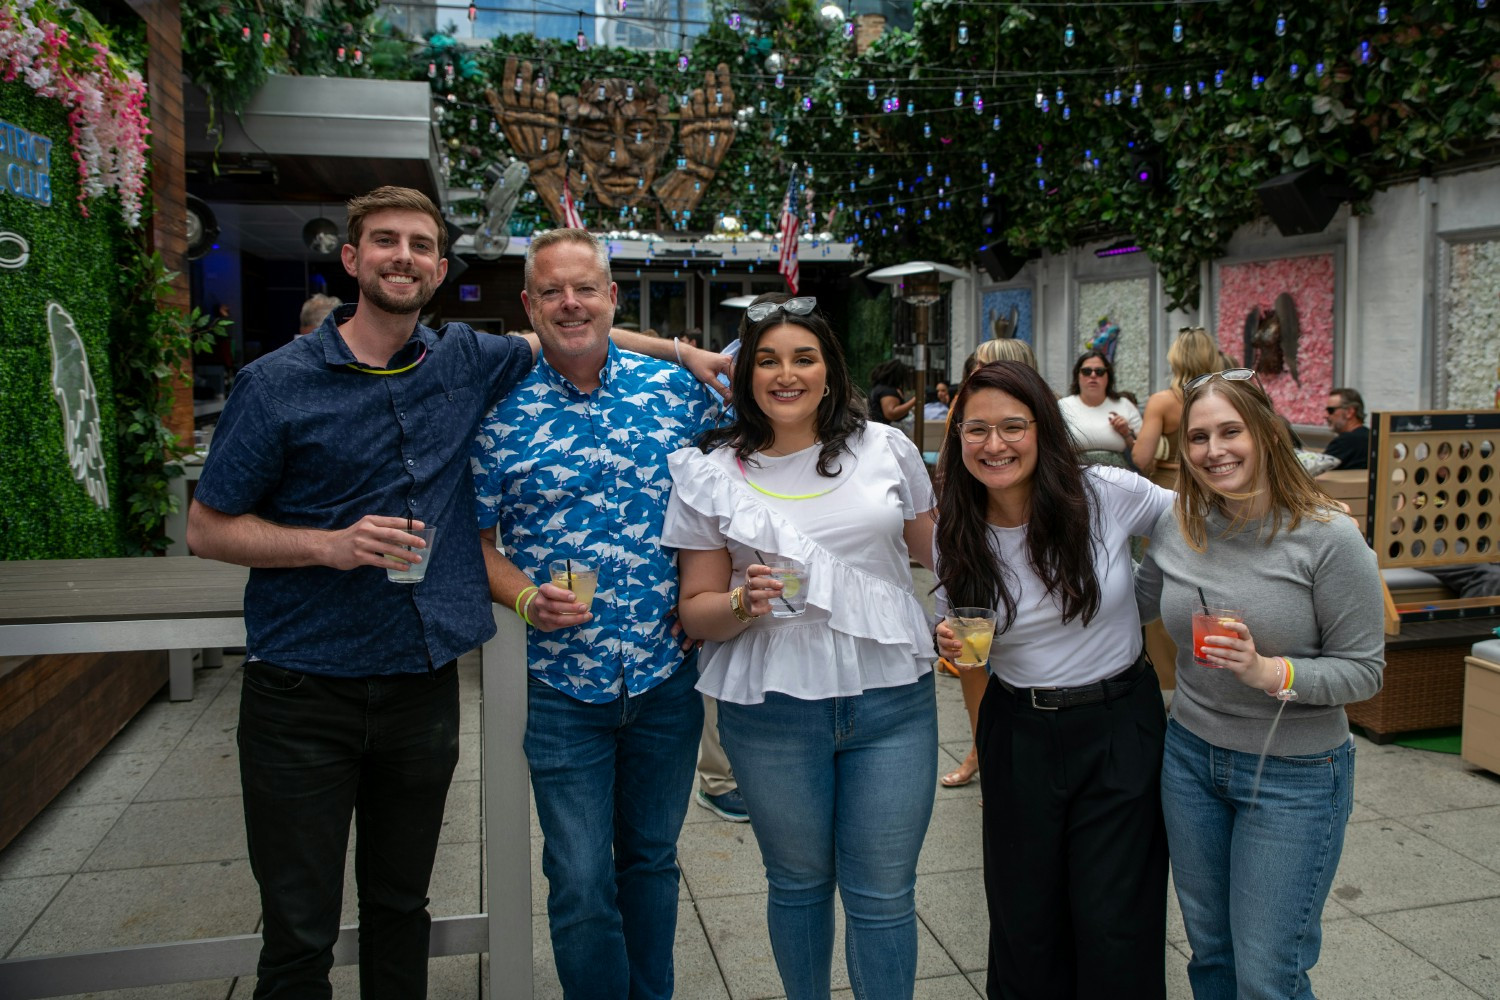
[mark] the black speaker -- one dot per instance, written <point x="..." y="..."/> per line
<point x="1000" y="261"/>
<point x="1300" y="202"/>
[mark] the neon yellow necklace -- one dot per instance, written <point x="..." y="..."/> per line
<point x="779" y="496"/>
<point x="389" y="371"/>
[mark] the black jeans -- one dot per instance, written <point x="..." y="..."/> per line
<point x="313" y="751"/>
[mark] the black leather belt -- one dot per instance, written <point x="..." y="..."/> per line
<point x="1052" y="699"/>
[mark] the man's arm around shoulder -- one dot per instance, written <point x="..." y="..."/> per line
<point x="247" y="540"/>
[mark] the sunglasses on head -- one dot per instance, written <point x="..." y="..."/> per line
<point x="1228" y="375"/>
<point x="800" y="306"/>
<point x="1098" y="372"/>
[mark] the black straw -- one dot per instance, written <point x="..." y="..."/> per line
<point x="1203" y="600"/>
<point x="570" y="578"/>
<point x="783" y="600"/>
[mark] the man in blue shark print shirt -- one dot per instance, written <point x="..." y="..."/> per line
<point x="573" y="465"/>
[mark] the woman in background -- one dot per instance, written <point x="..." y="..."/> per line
<point x="1255" y="841"/>
<point x="1103" y="423"/>
<point x="888" y="402"/>
<point x="1193" y="353"/>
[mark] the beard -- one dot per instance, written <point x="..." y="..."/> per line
<point x="374" y="292"/>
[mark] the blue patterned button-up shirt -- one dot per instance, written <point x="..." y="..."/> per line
<point x="567" y="474"/>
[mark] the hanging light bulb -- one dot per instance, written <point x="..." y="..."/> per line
<point x="431" y="67"/>
<point x="630" y="92"/>
<point x="838" y="108"/>
<point x="1318" y="70"/>
<point x="1364" y="51"/>
<point x="265" y="38"/>
<point x="718" y="98"/>
<point x="978" y="104"/>
<point x="1177" y="30"/>
<point x="544" y="143"/>
<point x="1061" y="97"/>
<point x="359" y="57"/>
<point x="541" y="84"/>
<point x="762" y="105"/>
<point x="583" y="42"/>
<point x="1218" y="79"/>
<point x="1280" y="25"/>
<point x="734" y="19"/>
<point x="1167" y="91"/>
<point x="927" y="130"/>
<point x="911" y="108"/>
<point x="871" y="172"/>
<point x="473" y="13"/>
<point x="870" y="90"/>
<point x="473" y="124"/>
<point x="780" y="81"/>
<point x="995" y="125"/>
<point x="1069" y="36"/>
<point x="598" y="94"/>
<point x="963" y="32"/>
<point x="806" y="104"/>
<point x="340" y="55"/>
<point x="494" y="128"/>
<point x="245" y="33"/>
<point x="929" y="169"/>
<point x="682" y="63"/>
<point x="1039" y="97"/>
<point x="958" y="97"/>
<point x="1295" y="70"/>
<point x="1382" y="14"/>
<point x="849" y="29"/>
<point x="623" y="4"/>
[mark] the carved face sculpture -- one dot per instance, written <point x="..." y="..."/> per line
<point x="621" y="137"/>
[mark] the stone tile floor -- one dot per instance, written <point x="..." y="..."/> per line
<point x="147" y="845"/>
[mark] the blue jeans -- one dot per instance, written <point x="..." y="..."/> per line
<point x="840" y="792"/>
<point x="1252" y="877"/>
<point x="313" y="751"/>
<point x="612" y="783"/>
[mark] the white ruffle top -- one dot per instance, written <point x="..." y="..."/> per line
<point x="863" y="627"/>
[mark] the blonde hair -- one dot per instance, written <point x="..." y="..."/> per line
<point x="1000" y="349"/>
<point x="1193" y="353"/>
<point x="1292" y="493"/>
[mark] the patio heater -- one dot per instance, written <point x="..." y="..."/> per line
<point x="920" y="283"/>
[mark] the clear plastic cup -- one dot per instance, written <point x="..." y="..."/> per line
<point x="975" y="628"/>
<point x="792" y="601"/>
<point x="578" y="575"/>
<point x="1211" y="621"/>
<point x="417" y="570"/>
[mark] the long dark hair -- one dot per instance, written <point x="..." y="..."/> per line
<point x="896" y="374"/>
<point x="840" y="413"/>
<point x="1109" y="379"/>
<point x="1059" y="536"/>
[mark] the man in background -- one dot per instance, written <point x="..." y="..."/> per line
<point x="314" y="311"/>
<point x="1346" y="418"/>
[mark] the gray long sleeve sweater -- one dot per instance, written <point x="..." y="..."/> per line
<point x="1312" y="595"/>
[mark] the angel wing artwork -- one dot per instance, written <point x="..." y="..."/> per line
<point x="1004" y="327"/>
<point x="1271" y="338"/>
<point x="73" y="387"/>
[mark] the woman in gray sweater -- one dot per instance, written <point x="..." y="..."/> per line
<point x="1255" y="842"/>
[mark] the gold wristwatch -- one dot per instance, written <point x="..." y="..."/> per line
<point x="737" y="605"/>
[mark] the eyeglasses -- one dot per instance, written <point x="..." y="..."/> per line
<point x="1331" y="410"/>
<point x="1228" y="375"/>
<point x="800" y="306"/>
<point x="1097" y="372"/>
<point x="978" y="432"/>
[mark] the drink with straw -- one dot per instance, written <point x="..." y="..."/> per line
<point x="792" y="601"/>
<point x="576" y="575"/>
<point x="1211" y="621"/>
<point x="415" y="571"/>
<point x="975" y="629"/>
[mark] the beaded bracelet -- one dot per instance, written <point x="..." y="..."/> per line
<point x="523" y="593"/>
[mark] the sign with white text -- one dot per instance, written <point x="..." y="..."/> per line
<point x="26" y="164"/>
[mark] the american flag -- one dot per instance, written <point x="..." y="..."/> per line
<point x="788" y="263"/>
<point x="571" y="218"/>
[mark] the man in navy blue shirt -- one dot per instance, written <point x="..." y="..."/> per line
<point x="328" y="451"/>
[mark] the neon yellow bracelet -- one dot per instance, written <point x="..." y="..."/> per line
<point x="523" y="593"/>
<point x="526" y="609"/>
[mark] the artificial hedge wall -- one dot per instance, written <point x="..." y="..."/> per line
<point x="44" y="512"/>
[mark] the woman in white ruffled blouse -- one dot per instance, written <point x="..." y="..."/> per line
<point x="829" y="718"/>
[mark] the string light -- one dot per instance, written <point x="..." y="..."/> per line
<point x="583" y="41"/>
<point x="1177" y="33"/>
<point x="963" y="32"/>
<point x="734" y="19"/>
<point x="245" y="33"/>
<point x="1281" y="25"/>
<point x="1069" y="35"/>
<point x="1382" y="14"/>
<point x="473" y="13"/>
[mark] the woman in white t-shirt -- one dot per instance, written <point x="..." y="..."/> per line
<point x="1103" y="423"/>
<point x="1071" y="726"/>
<point x="828" y="718"/>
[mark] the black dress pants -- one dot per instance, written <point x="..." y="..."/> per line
<point x="315" y="751"/>
<point x="1075" y="851"/>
